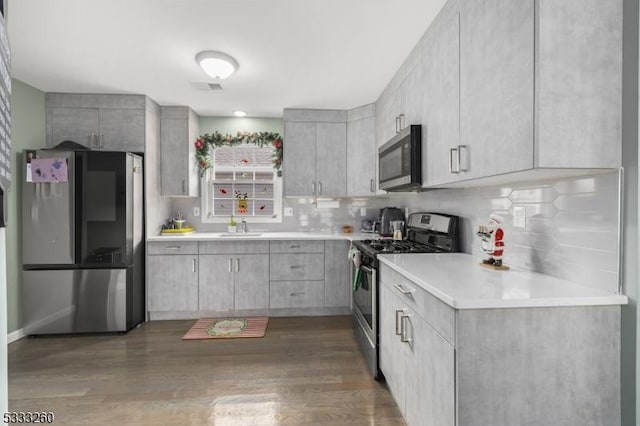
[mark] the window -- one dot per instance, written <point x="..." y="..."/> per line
<point x="244" y="183"/>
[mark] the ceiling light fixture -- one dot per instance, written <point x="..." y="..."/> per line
<point x="239" y="113"/>
<point x="217" y="64"/>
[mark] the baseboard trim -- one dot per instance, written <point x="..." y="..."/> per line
<point x="15" y="335"/>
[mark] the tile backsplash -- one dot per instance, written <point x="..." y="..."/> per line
<point x="571" y="228"/>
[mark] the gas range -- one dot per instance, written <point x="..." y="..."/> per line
<point x="426" y="233"/>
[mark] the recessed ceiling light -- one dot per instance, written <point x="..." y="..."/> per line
<point x="217" y="64"/>
<point x="239" y="113"/>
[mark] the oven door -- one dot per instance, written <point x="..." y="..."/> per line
<point x="365" y="301"/>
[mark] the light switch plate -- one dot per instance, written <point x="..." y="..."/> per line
<point x="288" y="211"/>
<point x="363" y="211"/>
<point x="196" y="211"/>
<point x="519" y="216"/>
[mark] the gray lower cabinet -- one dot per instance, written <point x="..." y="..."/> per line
<point x="251" y="281"/>
<point x="498" y="367"/>
<point x="297" y="274"/>
<point x="417" y="362"/>
<point x="102" y="122"/>
<point x="337" y="270"/>
<point x="179" y="129"/>
<point x="193" y="278"/>
<point x="172" y="282"/>
<point x="216" y="283"/>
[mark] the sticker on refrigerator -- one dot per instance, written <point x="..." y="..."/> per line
<point x="49" y="170"/>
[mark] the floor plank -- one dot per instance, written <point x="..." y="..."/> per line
<point x="305" y="371"/>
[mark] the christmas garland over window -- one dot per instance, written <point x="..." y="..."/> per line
<point x="205" y="143"/>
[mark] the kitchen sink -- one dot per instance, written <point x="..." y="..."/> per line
<point x="240" y="234"/>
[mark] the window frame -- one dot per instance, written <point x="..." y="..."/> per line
<point x="206" y="183"/>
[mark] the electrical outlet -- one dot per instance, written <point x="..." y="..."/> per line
<point x="519" y="216"/>
<point x="363" y="211"/>
<point x="288" y="211"/>
<point x="196" y="211"/>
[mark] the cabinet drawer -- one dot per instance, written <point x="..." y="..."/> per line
<point x="296" y="294"/>
<point x="435" y="312"/>
<point x="294" y="246"/>
<point x="296" y="267"/>
<point x="234" y="247"/>
<point x="173" y="247"/>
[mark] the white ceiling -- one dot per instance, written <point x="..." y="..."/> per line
<point x="292" y="53"/>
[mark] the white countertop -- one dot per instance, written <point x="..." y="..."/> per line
<point x="258" y="235"/>
<point x="458" y="280"/>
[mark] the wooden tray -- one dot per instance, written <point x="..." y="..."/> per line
<point x="502" y="267"/>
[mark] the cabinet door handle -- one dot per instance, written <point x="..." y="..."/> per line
<point x="397" y="124"/>
<point x="183" y="186"/>
<point x="319" y="188"/>
<point x="372" y="185"/>
<point x="454" y="166"/>
<point x="194" y="265"/>
<point x="299" y="293"/>
<point x="401" y="121"/>
<point x="237" y="265"/>
<point x="101" y="140"/>
<point x="399" y="322"/>
<point x="230" y="266"/>
<point x="402" y="290"/>
<point x="403" y="336"/>
<point x="463" y="161"/>
<point x="313" y="187"/>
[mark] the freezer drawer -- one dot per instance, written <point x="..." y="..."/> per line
<point x="76" y="301"/>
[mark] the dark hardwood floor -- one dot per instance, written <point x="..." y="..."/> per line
<point x="305" y="371"/>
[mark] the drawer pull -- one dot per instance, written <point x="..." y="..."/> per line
<point x="399" y="322"/>
<point x="297" y="266"/>
<point x="295" y="246"/>
<point x="403" y="336"/>
<point x="299" y="293"/>
<point x="402" y="290"/>
<point x="173" y="247"/>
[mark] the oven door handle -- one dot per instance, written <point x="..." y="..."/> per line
<point x="366" y="269"/>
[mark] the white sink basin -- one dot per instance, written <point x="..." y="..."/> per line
<point x="240" y="234"/>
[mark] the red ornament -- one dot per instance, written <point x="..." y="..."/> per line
<point x="199" y="143"/>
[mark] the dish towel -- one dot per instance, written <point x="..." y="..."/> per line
<point x="355" y="256"/>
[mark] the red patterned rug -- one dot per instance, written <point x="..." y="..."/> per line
<point x="227" y="328"/>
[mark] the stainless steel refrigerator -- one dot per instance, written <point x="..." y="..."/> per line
<point x="82" y="241"/>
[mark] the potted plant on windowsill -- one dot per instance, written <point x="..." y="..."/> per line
<point x="232" y="226"/>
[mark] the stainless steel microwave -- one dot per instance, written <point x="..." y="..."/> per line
<point x="400" y="161"/>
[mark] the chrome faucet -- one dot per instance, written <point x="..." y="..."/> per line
<point x="243" y="226"/>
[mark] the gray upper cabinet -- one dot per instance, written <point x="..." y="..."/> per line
<point x="179" y="169"/>
<point x="579" y="83"/>
<point x="440" y="96"/>
<point x="331" y="159"/>
<point x="508" y="89"/>
<point x="103" y="122"/>
<point x="299" y="158"/>
<point x="496" y="88"/>
<point x="388" y="117"/>
<point x="315" y="154"/>
<point x="361" y="152"/>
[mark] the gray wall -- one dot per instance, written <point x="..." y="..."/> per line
<point x="27" y="131"/>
